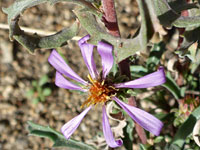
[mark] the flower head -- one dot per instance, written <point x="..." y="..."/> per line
<point x="100" y="90"/>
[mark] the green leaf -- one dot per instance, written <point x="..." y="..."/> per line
<point x="191" y="48"/>
<point x="165" y="14"/>
<point x="86" y="5"/>
<point x="138" y="71"/>
<point x="128" y="136"/>
<point x="180" y="5"/>
<point x="46" y="92"/>
<point x="57" y="138"/>
<point x="172" y="147"/>
<point x="88" y="21"/>
<point x="189" y="37"/>
<point x="169" y="16"/>
<point x="142" y="147"/>
<point x="19" y="6"/>
<point x="41" y="97"/>
<point x="33" y="42"/>
<point x="158" y="139"/>
<point x="194" y="56"/>
<point x="34" y="83"/>
<point x="43" y="80"/>
<point x="138" y="68"/>
<point x="155" y="56"/>
<point x="35" y="100"/>
<point x="186" y="128"/>
<point x="171" y="85"/>
<point x="123" y="47"/>
<point x="114" y="68"/>
<point x="30" y="93"/>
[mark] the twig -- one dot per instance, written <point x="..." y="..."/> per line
<point x="39" y="32"/>
<point x="110" y="17"/>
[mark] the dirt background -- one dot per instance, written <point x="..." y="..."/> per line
<point x="18" y="69"/>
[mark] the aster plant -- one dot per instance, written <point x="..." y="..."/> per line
<point x="137" y="56"/>
<point x="100" y="90"/>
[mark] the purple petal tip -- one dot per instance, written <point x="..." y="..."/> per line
<point x="69" y="128"/>
<point x="108" y="132"/>
<point x="150" y="80"/>
<point x="83" y="40"/>
<point x="144" y="119"/>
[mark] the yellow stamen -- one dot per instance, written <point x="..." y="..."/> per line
<point x="99" y="92"/>
<point x="90" y="78"/>
<point x="102" y="83"/>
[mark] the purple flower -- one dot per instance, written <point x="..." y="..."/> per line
<point x="100" y="90"/>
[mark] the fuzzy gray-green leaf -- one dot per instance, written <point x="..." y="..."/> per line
<point x="57" y="138"/>
<point x="169" y="13"/>
<point x="171" y="85"/>
<point x="123" y="47"/>
<point x="19" y="6"/>
<point x="33" y="42"/>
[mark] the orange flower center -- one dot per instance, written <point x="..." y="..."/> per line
<point x="99" y="92"/>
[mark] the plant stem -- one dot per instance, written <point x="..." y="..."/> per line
<point x="110" y="21"/>
<point x="110" y="17"/>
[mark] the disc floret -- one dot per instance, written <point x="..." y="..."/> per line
<point x="99" y="92"/>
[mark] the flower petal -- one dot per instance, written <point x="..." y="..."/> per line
<point x="87" y="53"/>
<point x="105" y="51"/>
<point x="150" y="80"/>
<point x="62" y="82"/>
<point x="60" y="65"/>
<point x="83" y="39"/>
<point x="107" y="131"/>
<point x="144" y="119"/>
<point x="69" y="128"/>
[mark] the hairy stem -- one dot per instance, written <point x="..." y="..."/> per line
<point x="110" y="17"/>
